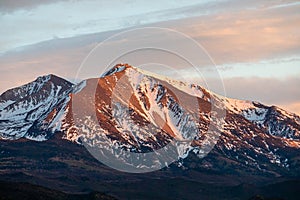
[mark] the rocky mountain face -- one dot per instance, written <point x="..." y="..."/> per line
<point x="34" y="110"/>
<point x="140" y="112"/>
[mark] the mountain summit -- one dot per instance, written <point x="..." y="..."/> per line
<point x="142" y="112"/>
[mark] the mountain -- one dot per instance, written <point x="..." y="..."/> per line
<point x="137" y="111"/>
<point x="47" y="126"/>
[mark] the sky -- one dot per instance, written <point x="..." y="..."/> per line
<point x="254" y="45"/>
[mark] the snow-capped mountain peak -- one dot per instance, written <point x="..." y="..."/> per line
<point x="24" y="111"/>
<point x="140" y="112"/>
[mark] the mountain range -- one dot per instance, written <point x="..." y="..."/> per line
<point x="128" y="113"/>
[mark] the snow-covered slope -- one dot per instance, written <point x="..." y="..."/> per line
<point x="276" y="121"/>
<point x="141" y="112"/>
<point x="35" y="109"/>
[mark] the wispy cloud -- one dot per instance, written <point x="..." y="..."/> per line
<point x="247" y="35"/>
<point x="35" y="21"/>
<point x="28" y="22"/>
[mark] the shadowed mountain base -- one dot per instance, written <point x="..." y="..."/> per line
<point x="67" y="167"/>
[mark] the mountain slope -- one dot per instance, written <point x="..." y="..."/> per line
<point x="32" y="110"/>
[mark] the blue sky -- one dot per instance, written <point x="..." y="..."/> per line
<point x="253" y="43"/>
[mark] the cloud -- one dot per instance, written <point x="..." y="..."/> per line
<point x="274" y="68"/>
<point x="293" y="107"/>
<point x="267" y="90"/>
<point x="23" y="22"/>
<point x="7" y="6"/>
<point x="219" y="35"/>
<point x="31" y="22"/>
<point x="58" y="56"/>
<point x="247" y="35"/>
<point x="282" y="92"/>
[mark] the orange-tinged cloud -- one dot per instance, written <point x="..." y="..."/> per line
<point x="292" y="107"/>
<point x="247" y="36"/>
